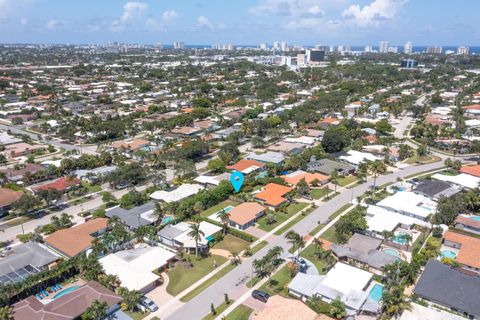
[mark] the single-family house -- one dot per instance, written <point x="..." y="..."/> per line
<point x="136" y="217"/>
<point x="410" y="204"/>
<point x="468" y="223"/>
<point x="245" y="215"/>
<point x="327" y="166"/>
<point x="7" y="198"/>
<point x="280" y="308"/>
<point x="295" y="177"/>
<point x="435" y="189"/>
<point x="267" y="157"/>
<point x="182" y="192"/>
<point x="247" y="166"/>
<point x="62" y="184"/>
<point x="273" y="195"/>
<point x="177" y="236"/>
<point x="78" y="239"/>
<point x="467" y="250"/>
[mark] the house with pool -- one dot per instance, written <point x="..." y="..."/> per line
<point x="469" y="223"/>
<point x="353" y="286"/>
<point x="70" y="303"/>
<point x="366" y="251"/>
<point x="465" y="250"/>
<point x="177" y="236"/>
<point x="136" y="217"/>
<point x="410" y="204"/>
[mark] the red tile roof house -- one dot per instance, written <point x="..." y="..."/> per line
<point x="7" y="197"/>
<point x="245" y="215"/>
<point x="61" y="184"/>
<point x="273" y="195"/>
<point x="246" y="166"/>
<point x="68" y="306"/>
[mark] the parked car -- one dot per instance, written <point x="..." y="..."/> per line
<point x="260" y="295"/>
<point x="148" y="304"/>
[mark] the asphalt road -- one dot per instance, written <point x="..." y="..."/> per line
<point x="232" y="283"/>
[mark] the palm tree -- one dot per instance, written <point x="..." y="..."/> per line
<point x="318" y="246"/>
<point x="387" y="235"/>
<point x="196" y="233"/>
<point x="337" y="309"/>
<point x="235" y="258"/>
<point x="159" y="212"/>
<point x="109" y="281"/>
<point x="377" y="167"/>
<point x="6" y="313"/>
<point x="224" y="217"/>
<point x="293" y="240"/>
<point x="334" y="176"/>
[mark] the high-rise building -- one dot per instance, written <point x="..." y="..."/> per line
<point x="276" y="45"/>
<point x="313" y="55"/>
<point x="409" y="64"/>
<point x="383" y="46"/>
<point x="284" y="46"/>
<point x="463" y="50"/>
<point x="178" y="45"/>
<point x="263" y="46"/>
<point x="408" y="48"/>
<point x="392" y="49"/>
<point x="368" y="49"/>
<point x="435" y="50"/>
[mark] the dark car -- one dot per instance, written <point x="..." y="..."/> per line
<point x="260" y="295"/>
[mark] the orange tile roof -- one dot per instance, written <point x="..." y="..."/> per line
<point x="280" y="308"/>
<point x="472" y="107"/>
<point x="273" y="194"/>
<point x="309" y="177"/>
<point x="246" y="212"/>
<point x="244" y="165"/>
<point x="469" y="250"/>
<point x="61" y="184"/>
<point x="472" y="170"/>
<point x="8" y="196"/>
<point x="330" y="120"/>
<point x="132" y="144"/>
<point x="75" y="240"/>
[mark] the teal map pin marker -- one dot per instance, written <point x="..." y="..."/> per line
<point x="236" y="178"/>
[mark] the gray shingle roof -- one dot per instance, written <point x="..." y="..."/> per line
<point x="326" y="166"/>
<point x="444" y="285"/>
<point x="434" y="188"/>
<point x="132" y="218"/>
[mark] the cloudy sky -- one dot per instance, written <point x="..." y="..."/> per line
<point x="307" y="22"/>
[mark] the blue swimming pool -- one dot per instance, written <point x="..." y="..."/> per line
<point x="167" y="219"/>
<point x="392" y="252"/>
<point x="448" y="254"/>
<point x="376" y="292"/>
<point x="398" y="238"/>
<point x="65" y="291"/>
<point x="476" y="218"/>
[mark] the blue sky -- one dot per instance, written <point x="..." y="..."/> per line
<point x="307" y="22"/>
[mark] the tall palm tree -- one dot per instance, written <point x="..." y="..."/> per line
<point x="159" y="212"/>
<point x="196" y="233"/>
<point x="377" y="167"/>
<point x="224" y="217"/>
<point x="318" y="243"/>
<point x="292" y="238"/>
<point x="334" y="176"/>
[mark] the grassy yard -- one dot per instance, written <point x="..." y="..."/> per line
<point x="192" y="294"/>
<point x="258" y="246"/>
<point x="309" y="254"/>
<point x="217" y="208"/>
<point x="279" y="283"/>
<point x="423" y="159"/>
<point x="242" y="312"/>
<point x="281" y="217"/>
<point x="232" y="244"/>
<point x="91" y="187"/>
<point x="344" y="181"/>
<point x="218" y="310"/>
<point x="182" y="277"/>
<point x="329" y="234"/>
<point x="293" y="222"/>
<point x="319" y="193"/>
<point x="339" y="211"/>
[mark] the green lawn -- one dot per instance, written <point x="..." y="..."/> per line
<point x="344" y="181"/>
<point x="309" y="254"/>
<point x="281" y="217"/>
<point x="91" y="187"/>
<point x="192" y="294"/>
<point x="317" y="229"/>
<point x="279" y="281"/>
<point x="293" y="222"/>
<point x="258" y="246"/>
<point x="232" y="244"/>
<point x="329" y="234"/>
<point x="339" y="211"/>
<point x="423" y="159"/>
<point x="181" y="277"/>
<point x="218" y="310"/>
<point x="319" y="193"/>
<point x="242" y="312"/>
<point x="217" y="208"/>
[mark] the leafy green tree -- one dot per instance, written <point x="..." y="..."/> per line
<point x="336" y="138"/>
<point x="130" y="298"/>
<point x="229" y="153"/>
<point x="216" y="165"/>
<point x="6" y="313"/>
<point x="184" y="169"/>
<point x="337" y="309"/>
<point x="350" y="223"/>
<point x="97" y="310"/>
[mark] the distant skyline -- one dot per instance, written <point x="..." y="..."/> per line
<point x="241" y="22"/>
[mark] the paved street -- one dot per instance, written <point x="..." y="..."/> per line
<point x="232" y="283"/>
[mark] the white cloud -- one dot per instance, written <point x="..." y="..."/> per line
<point x="54" y="24"/>
<point x="374" y="13"/>
<point x="24" y="21"/>
<point x="204" y="22"/>
<point x="131" y="11"/>
<point x="291" y="8"/>
<point x="9" y="7"/>
<point x="166" y="18"/>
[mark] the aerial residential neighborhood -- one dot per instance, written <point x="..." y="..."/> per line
<point x="259" y="180"/>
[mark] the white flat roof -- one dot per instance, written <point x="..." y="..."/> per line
<point x="184" y="191"/>
<point x="302" y="140"/>
<point x="356" y="157"/>
<point x="134" y="267"/>
<point x="409" y="202"/>
<point x="345" y="278"/>
<point x="380" y="219"/>
<point x="463" y="179"/>
<point x="208" y="229"/>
